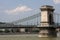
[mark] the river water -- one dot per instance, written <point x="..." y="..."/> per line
<point x="27" y="37"/>
<point x="55" y="38"/>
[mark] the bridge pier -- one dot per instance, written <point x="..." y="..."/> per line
<point x="47" y="32"/>
<point x="47" y="28"/>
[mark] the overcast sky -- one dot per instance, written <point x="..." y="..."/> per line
<point x="11" y="10"/>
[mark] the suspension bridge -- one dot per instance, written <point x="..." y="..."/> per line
<point x="35" y="19"/>
<point x="28" y="24"/>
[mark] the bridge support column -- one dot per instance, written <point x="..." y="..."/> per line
<point x="47" y="32"/>
<point x="47" y="28"/>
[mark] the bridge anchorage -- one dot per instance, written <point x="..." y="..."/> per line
<point x="47" y="28"/>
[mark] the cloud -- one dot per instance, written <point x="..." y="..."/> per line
<point x="56" y="1"/>
<point x="18" y="9"/>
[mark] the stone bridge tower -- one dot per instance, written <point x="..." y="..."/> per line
<point x="47" y="28"/>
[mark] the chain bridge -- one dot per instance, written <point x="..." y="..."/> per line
<point x="32" y="22"/>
